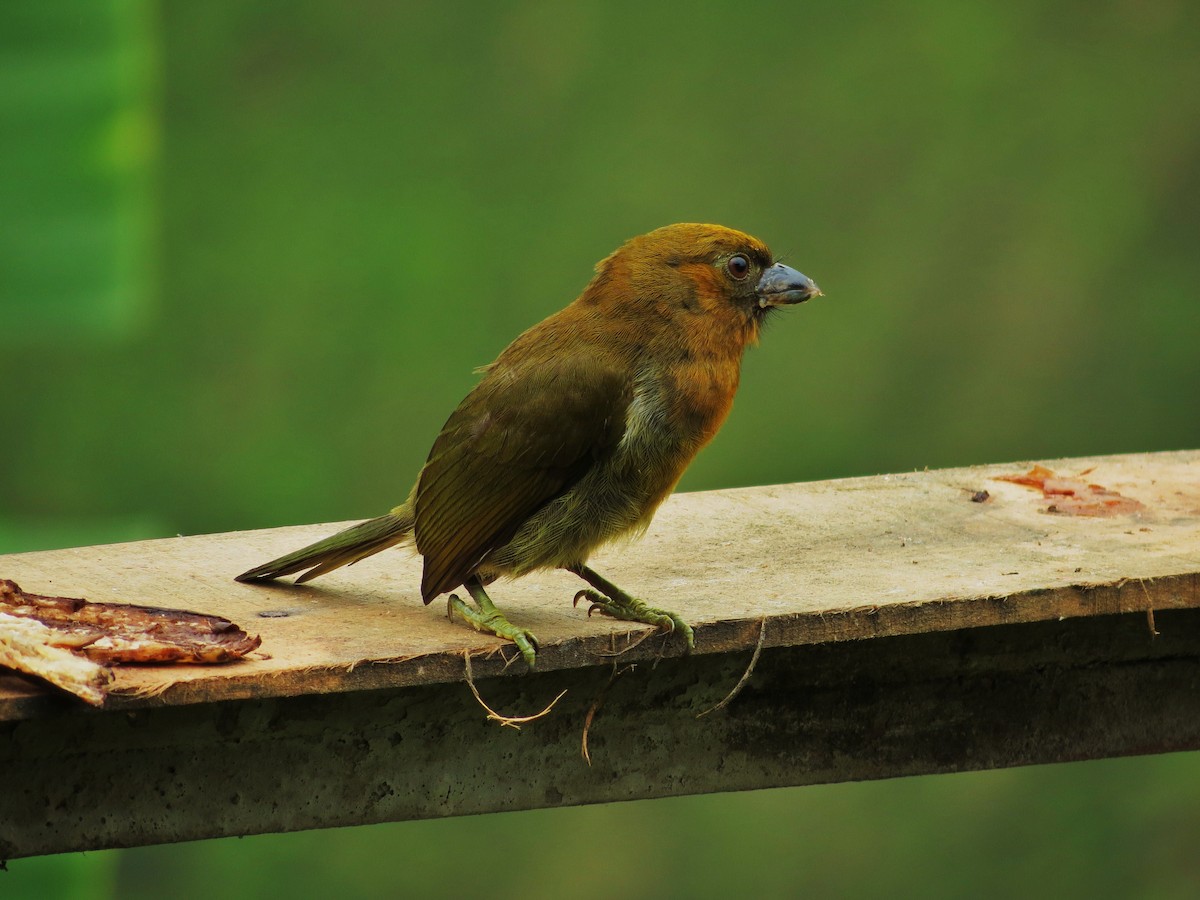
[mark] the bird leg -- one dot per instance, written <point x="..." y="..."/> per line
<point x="488" y="618"/>
<point x="612" y="601"/>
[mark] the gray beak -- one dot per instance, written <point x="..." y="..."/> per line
<point x="782" y="285"/>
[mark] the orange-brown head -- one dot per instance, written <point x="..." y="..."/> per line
<point x="692" y="273"/>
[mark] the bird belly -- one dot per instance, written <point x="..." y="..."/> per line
<point x="617" y="496"/>
<point x="601" y="507"/>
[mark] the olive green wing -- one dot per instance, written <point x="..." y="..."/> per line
<point x="524" y="436"/>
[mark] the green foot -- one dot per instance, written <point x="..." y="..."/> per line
<point x="491" y="620"/>
<point x="622" y="606"/>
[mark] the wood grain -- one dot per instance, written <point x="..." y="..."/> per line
<point x="829" y="561"/>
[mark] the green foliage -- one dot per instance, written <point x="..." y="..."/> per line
<point x="80" y="131"/>
<point x="357" y="203"/>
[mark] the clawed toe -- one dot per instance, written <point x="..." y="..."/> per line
<point x="634" y="610"/>
<point x="492" y="621"/>
<point x="597" y="602"/>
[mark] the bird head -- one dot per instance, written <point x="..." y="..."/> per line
<point x="684" y="271"/>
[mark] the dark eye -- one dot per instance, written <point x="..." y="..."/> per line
<point x="738" y="266"/>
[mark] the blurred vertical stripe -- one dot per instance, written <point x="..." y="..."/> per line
<point x="78" y="143"/>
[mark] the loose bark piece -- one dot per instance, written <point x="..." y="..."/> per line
<point x="123" y="633"/>
<point x="70" y="642"/>
<point x="29" y="646"/>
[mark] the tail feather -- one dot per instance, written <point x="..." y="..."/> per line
<point x="342" y="549"/>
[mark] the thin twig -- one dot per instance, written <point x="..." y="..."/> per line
<point x="1149" y="610"/>
<point x="595" y="708"/>
<point x="511" y="721"/>
<point x="508" y="660"/>
<point x="649" y="633"/>
<point x="737" y="688"/>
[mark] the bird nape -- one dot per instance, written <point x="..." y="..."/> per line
<point x="580" y="428"/>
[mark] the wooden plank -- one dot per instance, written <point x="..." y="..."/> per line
<point x="830" y="561"/>
<point x="907" y="629"/>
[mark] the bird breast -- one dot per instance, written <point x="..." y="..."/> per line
<point x="666" y="423"/>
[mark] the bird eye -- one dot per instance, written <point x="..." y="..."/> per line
<point x="738" y="266"/>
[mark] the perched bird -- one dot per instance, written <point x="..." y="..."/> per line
<point x="580" y="428"/>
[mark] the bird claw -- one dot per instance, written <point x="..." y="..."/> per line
<point x="495" y="623"/>
<point x="634" y="610"/>
<point x="598" y="602"/>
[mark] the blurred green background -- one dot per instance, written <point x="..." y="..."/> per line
<point x="250" y="253"/>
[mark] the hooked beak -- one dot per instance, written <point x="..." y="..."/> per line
<point x="782" y="285"/>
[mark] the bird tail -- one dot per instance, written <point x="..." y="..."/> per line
<point x="342" y="549"/>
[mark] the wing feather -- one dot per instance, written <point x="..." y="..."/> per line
<point x="524" y="436"/>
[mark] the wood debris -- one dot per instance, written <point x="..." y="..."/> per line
<point x="70" y="642"/>
<point x="1072" y="496"/>
<point x="28" y="646"/>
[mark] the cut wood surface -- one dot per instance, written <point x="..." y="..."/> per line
<point x="828" y="561"/>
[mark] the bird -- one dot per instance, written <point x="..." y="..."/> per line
<point x="580" y="429"/>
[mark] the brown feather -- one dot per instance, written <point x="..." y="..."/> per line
<point x="526" y="433"/>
